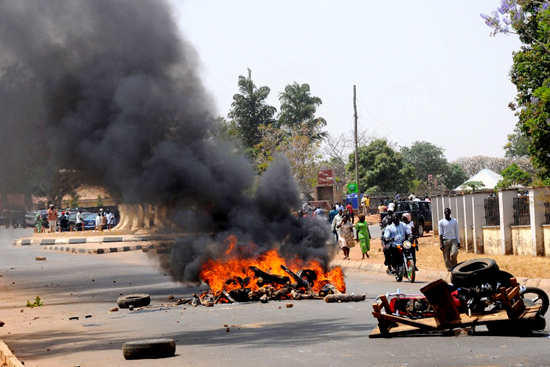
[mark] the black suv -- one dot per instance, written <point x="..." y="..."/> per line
<point x="421" y="214"/>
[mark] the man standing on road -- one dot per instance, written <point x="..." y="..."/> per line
<point x="449" y="239"/>
<point x="52" y="219"/>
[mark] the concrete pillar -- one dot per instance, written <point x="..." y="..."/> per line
<point x="435" y="214"/>
<point x="468" y="223"/>
<point x="458" y="213"/>
<point x="478" y="221"/>
<point x="536" y="212"/>
<point x="506" y="208"/>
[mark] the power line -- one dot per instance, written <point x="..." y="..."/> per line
<point x="380" y="122"/>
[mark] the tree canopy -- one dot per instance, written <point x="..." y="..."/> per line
<point x="298" y="108"/>
<point x="530" y="72"/>
<point x="250" y="110"/>
<point x="426" y="158"/>
<point x="381" y="169"/>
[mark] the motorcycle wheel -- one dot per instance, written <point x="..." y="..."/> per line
<point x="410" y="271"/>
<point x="533" y="296"/>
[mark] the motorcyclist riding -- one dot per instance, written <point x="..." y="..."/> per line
<point x="395" y="234"/>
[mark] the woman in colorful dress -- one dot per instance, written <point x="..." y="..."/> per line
<point x="363" y="235"/>
<point x="345" y="235"/>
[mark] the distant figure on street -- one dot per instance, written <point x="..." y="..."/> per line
<point x="6" y="215"/>
<point x="449" y="239"/>
<point x="332" y="214"/>
<point x="38" y="222"/>
<point x="335" y="222"/>
<point x="345" y="235"/>
<point x="349" y="212"/>
<point x="397" y="196"/>
<point x="363" y="235"/>
<point x="52" y="219"/>
<point x="78" y="220"/>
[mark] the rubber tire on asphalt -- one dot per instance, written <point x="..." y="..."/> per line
<point x="420" y="230"/>
<point x="412" y="265"/>
<point x="473" y="272"/>
<point x="542" y="296"/>
<point x="149" y="348"/>
<point x="135" y="300"/>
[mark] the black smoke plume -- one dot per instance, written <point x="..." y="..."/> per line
<point x="110" y="88"/>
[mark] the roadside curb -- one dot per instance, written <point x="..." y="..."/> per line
<point x="430" y="275"/>
<point x="84" y="240"/>
<point x="7" y="358"/>
<point x="98" y="251"/>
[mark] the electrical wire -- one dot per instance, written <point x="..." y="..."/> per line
<point x="380" y="122"/>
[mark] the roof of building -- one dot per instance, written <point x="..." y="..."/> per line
<point x="488" y="177"/>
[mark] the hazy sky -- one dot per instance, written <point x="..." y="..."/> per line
<point x="424" y="70"/>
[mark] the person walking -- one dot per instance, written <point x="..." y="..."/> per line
<point x="38" y="222"/>
<point x="449" y="239"/>
<point x="52" y="219"/>
<point x="349" y="212"/>
<point x="335" y="222"/>
<point x="345" y="235"/>
<point x="363" y="235"/>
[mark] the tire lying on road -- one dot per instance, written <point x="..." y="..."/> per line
<point x="149" y="348"/>
<point x="474" y="272"/>
<point x="135" y="300"/>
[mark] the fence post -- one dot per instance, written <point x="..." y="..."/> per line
<point x="468" y="223"/>
<point x="538" y="218"/>
<point x="478" y="221"/>
<point x="506" y="205"/>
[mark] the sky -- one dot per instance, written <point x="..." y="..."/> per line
<point x="424" y="70"/>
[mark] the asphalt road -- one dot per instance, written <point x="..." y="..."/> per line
<point x="312" y="332"/>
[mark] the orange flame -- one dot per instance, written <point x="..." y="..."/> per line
<point x="225" y="273"/>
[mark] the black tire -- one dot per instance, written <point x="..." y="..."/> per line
<point x="533" y="296"/>
<point x="474" y="272"/>
<point x="420" y="229"/>
<point x="150" y="348"/>
<point x="135" y="300"/>
<point x="399" y="278"/>
<point x="411" y="274"/>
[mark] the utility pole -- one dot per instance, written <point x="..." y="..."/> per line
<point x="356" y="154"/>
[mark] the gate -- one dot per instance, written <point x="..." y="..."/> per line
<point x="521" y="211"/>
<point x="492" y="212"/>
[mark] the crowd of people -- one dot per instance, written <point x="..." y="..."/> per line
<point x="59" y="221"/>
<point x="396" y="228"/>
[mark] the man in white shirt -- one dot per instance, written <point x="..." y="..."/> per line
<point x="449" y="239"/>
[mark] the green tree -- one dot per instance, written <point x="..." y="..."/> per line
<point x="381" y="169"/>
<point x="302" y="153"/>
<point x="513" y="176"/>
<point x="250" y="110"/>
<point x="298" y="108"/>
<point x="454" y="176"/>
<point x="518" y="144"/>
<point x="426" y="158"/>
<point x="530" y="72"/>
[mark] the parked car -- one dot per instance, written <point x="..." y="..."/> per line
<point x="89" y="220"/>
<point x="29" y="218"/>
<point x="421" y="214"/>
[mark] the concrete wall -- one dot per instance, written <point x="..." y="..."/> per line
<point x="522" y="240"/>
<point x="546" y="236"/>
<point x="492" y="243"/>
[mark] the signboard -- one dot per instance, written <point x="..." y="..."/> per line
<point x="352" y="187"/>
<point x="326" y="177"/>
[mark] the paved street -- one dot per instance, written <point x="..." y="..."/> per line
<point x="310" y="333"/>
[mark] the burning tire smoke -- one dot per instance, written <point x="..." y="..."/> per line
<point x="110" y="88"/>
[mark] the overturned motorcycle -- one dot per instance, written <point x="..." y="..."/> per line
<point x="479" y="294"/>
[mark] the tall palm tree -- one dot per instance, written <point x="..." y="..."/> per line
<point x="249" y="111"/>
<point x="298" y="108"/>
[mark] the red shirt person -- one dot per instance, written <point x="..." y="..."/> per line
<point x="349" y="210"/>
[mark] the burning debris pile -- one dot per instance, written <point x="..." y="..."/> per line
<point x="239" y="278"/>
